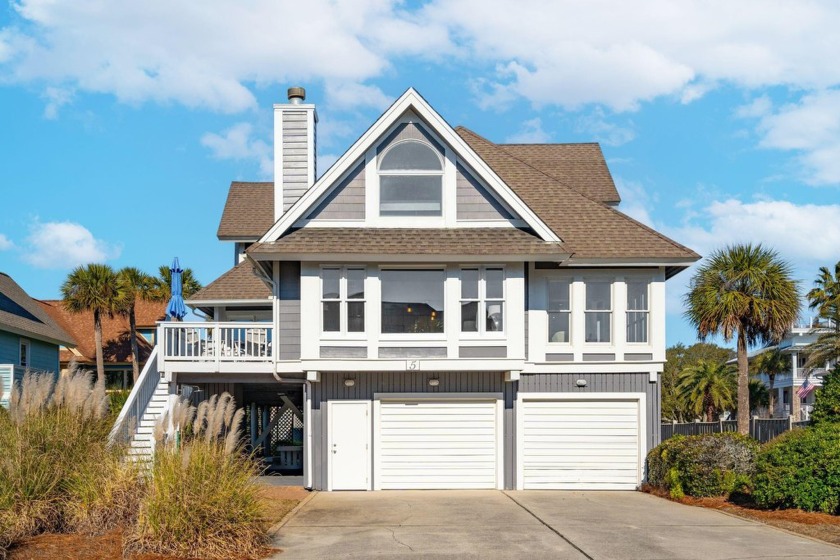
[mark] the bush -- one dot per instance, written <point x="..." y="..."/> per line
<point x="800" y="469"/>
<point x="702" y="466"/>
<point x="827" y="399"/>
<point x="203" y="500"/>
<point x="54" y="442"/>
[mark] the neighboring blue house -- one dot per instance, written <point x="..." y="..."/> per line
<point x="29" y="338"/>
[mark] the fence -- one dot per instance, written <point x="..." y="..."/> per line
<point x="762" y="429"/>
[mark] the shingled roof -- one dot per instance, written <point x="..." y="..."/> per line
<point x="240" y="282"/>
<point x="21" y="314"/>
<point x="116" y="346"/>
<point x="249" y="211"/>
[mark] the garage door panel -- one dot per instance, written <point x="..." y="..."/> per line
<point x="583" y="444"/>
<point x="427" y="444"/>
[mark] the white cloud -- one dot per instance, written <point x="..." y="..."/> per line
<point x="5" y="243"/>
<point x="65" y="245"/>
<point x="56" y="99"/>
<point x="237" y="143"/>
<point x="811" y="129"/>
<point x="636" y="202"/>
<point x="758" y="107"/>
<point x="356" y="96"/>
<point x="601" y="129"/>
<point x="531" y="133"/>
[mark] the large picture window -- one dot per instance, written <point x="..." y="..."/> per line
<point x="412" y="301"/>
<point x="559" y="310"/>
<point x="482" y="300"/>
<point x="343" y="299"/>
<point x="410" y="180"/>
<point x="637" y="311"/>
<point x="598" y="322"/>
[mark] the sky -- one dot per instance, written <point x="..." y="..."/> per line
<point x="123" y="123"/>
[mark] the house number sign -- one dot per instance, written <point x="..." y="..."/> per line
<point x="412" y="365"/>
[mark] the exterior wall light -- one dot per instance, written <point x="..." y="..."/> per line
<point x="434" y="382"/>
<point x="349" y="382"/>
<point x="581" y="382"/>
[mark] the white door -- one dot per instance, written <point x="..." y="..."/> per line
<point x="349" y="445"/>
<point x="584" y="444"/>
<point x="438" y="444"/>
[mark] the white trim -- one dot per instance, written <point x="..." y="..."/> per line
<point x="500" y="427"/>
<point x="307" y="434"/>
<point x="24" y="342"/>
<point x="641" y="398"/>
<point x="330" y="465"/>
<point x="407" y="258"/>
<point x="409" y="100"/>
<point x="323" y="223"/>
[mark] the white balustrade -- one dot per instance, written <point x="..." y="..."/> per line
<point x="216" y="342"/>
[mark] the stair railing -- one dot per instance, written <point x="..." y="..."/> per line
<point x="134" y="407"/>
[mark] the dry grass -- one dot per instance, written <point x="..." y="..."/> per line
<point x="202" y="499"/>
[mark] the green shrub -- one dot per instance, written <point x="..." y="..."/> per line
<point x="116" y="400"/>
<point x="203" y="500"/>
<point x="701" y="466"/>
<point x="827" y="399"/>
<point x="800" y="469"/>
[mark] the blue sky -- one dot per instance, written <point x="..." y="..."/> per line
<point x="123" y="123"/>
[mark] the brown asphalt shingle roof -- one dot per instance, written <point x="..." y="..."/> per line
<point x="420" y="241"/>
<point x="240" y="282"/>
<point x="21" y="313"/>
<point x="116" y="345"/>
<point x="249" y="211"/>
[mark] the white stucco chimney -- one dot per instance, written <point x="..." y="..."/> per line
<point x="294" y="149"/>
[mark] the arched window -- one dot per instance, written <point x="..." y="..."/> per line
<point x="410" y="180"/>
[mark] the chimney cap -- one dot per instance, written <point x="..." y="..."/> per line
<point x="296" y="94"/>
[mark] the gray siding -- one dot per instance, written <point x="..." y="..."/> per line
<point x="295" y="155"/>
<point x="474" y="202"/>
<point x="332" y="387"/>
<point x="598" y="357"/>
<point x="556" y="357"/>
<point x="482" y="351"/>
<point x="288" y="335"/>
<point x="412" y="352"/>
<point x="638" y="357"/>
<point x="409" y="131"/>
<point x="601" y="383"/>
<point x="346" y="202"/>
<point x="343" y="351"/>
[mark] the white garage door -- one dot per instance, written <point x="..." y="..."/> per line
<point x="425" y="444"/>
<point x="580" y="444"/>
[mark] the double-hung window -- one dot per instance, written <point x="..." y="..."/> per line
<point x="410" y="180"/>
<point x="343" y="299"/>
<point x="598" y="313"/>
<point x="482" y="300"/>
<point x="637" y="311"/>
<point x="559" y="310"/>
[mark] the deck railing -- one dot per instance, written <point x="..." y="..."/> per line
<point x="216" y="342"/>
<point x="134" y="407"/>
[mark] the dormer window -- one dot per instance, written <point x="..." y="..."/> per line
<point x="410" y="180"/>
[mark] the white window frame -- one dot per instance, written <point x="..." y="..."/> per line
<point x="600" y="280"/>
<point x="646" y="311"/>
<point x="411" y="172"/>
<point x="414" y="336"/>
<point x="342" y="299"/>
<point x="482" y="301"/>
<point x="25" y="353"/>
<point x="570" y="311"/>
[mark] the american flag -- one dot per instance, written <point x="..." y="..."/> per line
<point x="806" y="388"/>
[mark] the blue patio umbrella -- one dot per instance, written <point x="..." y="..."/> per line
<point x="176" y="308"/>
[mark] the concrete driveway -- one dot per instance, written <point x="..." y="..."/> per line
<point x="528" y="525"/>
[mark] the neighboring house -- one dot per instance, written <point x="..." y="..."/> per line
<point x="29" y="338"/>
<point x="436" y="311"/>
<point x="116" y="342"/>
<point x="788" y="386"/>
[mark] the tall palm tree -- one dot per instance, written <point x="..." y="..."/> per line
<point x="93" y="288"/>
<point x="771" y="363"/>
<point x="133" y="285"/>
<point x="825" y="298"/>
<point x="162" y="284"/>
<point x="708" y="388"/>
<point x="743" y="291"/>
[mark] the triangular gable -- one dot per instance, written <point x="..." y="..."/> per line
<point x="410" y="100"/>
<point x="346" y="202"/>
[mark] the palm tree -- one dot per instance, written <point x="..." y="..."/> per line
<point x="133" y="284"/>
<point x="93" y="288"/>
<point x="708" y="388"/>
<point x="771" y="363"/>
<point x="825" y="298"/>
<point x="743" y="291"/>
<point x="161" y="285"/>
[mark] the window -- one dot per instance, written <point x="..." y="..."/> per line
<point x="637" y="311"/>
<point x="559" y="310"/>
<point x="24" y="353"/>
<point x="343" y="299"/>
<point x="598" y="323"/>
<point x="410" y="180"/>
<point x="412" y="301"/>
<point x="482" y="300"/>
